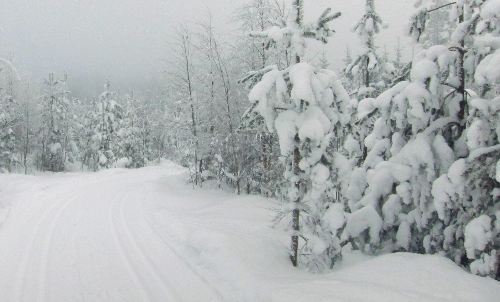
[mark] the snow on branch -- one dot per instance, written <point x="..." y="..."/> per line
<point x="319" y="31"/>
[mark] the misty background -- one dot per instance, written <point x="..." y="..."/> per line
<point x="128" y="42"/>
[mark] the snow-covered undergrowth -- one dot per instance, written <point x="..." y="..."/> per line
<point x="220" y="245"/>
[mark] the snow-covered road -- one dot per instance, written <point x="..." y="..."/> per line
<point x="144" y="235"/>
<point x="87" y="238"/>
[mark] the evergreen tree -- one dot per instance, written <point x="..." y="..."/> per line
<point x="421" y="186"/>
<point x="8" y="154"/>
<point x="133" y="136"/>
<point x="298" y="102"/>
<point x="367" y="67"/>
<point x="56" y="125"/>
<point x="107" y="116"/>
<point x="9" y="116"/>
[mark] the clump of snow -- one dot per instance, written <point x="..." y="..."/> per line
<point x="391" y="209"/>
<point x="275" y="33"/>
<point x="487" y="71"/>
<point x="478" y="134"/>
<point x="300" y="77"/>
<point x="447" y="187"/>
<point x="477" y="235"/>
<point x="490" y="9"/>
<point x="403" y="235"/>
<point x="423" y="70"/>
<point x="351" y="145"/>
<point x="457" y="171"/>
<point x="485" y="264"/>
<point x="320" y="174"/>
<point x="286" y="129"/>
<point x="443" y="152"/>
<point x="261" y="93"/>
<point x="313" y="124"/>
<point x="442" y="191"/>
<point x="363" y="219"/>
<point x="334" y="217"/>
<point x="317" y="245"/>
<point x="365" y="107"/>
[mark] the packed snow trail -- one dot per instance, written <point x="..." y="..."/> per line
<point x="86" y="238"/>
<point x="145" y="235"/>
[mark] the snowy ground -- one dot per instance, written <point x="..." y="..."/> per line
<point x="143" y="235"/>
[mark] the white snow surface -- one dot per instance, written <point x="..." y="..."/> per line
<point x="144" y="235"/>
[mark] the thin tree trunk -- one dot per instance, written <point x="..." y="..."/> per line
<point x="26" y="141"/>
<point x="461" y="73"/>
<point x="296" y="212"/>
<point x="186" y="54"/>
<point x="294" y="245"/>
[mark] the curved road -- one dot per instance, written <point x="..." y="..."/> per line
<point x="87" y="237"/>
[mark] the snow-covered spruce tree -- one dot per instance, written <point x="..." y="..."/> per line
<point x="132" y="136"/>
<point x="9" y="116"/>
<point x="367" y="68"/>
<point x="56" y="123"/>
<point x="297" y="102"/>
<point x="87" y="135"/>
<point x="466" y="197"/>
<point x="368" y="71"/>
<point x="8" y="153"/>
<point x="428" y="127"/>
<point x="70" y="147"/>
<point x="390" y="190"/>
<point x="106" y="121"/>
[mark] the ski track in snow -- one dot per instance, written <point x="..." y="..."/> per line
<point x="188" y="266"/>
<point x="132" y="269"/>
<point x="31" y="252"/>
<point x="106" y="214"/>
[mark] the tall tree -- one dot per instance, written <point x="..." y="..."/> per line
<point x="423" y="189"/>
<point x="9" y="116"/>
<point x="366" y="68"/>
<point x="56" y="138"/>
<point x="107" y="117"/>
<point x="297" y="103"/>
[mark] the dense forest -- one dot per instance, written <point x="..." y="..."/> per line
<point x="387" y="154"/>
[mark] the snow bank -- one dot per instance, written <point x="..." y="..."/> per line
<point x="230" y="238"/>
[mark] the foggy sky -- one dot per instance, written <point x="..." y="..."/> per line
<point x="128" y="41"/>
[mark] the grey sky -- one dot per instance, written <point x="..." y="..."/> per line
<point x="126" y="40"/>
